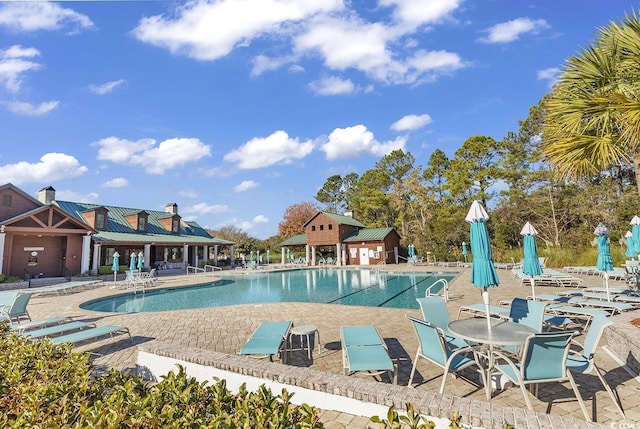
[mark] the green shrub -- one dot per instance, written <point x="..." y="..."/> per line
<point x="2" y="278"/>
<point x="47" y="385"/>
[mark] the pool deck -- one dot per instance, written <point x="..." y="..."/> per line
<point x="225" y="329"/>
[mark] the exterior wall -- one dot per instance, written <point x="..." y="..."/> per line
<point x="49" y="259"/>
<point x="391" y="241"/>
<point x="327" y="231"/>
<point x="19" y="204"/>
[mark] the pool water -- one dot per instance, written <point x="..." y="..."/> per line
<point x="344" y="286"/>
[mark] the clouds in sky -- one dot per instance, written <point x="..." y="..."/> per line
<point x="106" y="88"/>
<point x="245" y="186"/>
<point x="356" y="141"/>
<point x="510" y="31"/>
<point x="51" y="167"/>
<point x="27" y="109"/>
<point x="30" y="16"/>
<point x="329" y="31"/>
<point x="411" y="122"/>
<point x="118" y="182"/>
<point x="154" y="158"/>
<point x="277" y="148"/>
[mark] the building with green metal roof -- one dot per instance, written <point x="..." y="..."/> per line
<point x="346" y="240"/>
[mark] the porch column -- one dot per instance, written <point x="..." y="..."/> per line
<point x="232" y="255"/>
<point x="147" y="255"/>
<point x="395" y="251"/>
<point x="215" y="254"/>
<point x="282" y="250"/>
<point x="338" y="254"/>
<point x="86" y="253"/>
<point x="185" y="255"/>
<point x="97" y="247"/>
<point x="313" y="255"/>
<point x="307" y="250"/>
<point x="2" y="238"/>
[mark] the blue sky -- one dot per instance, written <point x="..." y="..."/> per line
<point x="236" y="110"/>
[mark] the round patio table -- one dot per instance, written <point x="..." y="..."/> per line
<point x="502" y="333"/>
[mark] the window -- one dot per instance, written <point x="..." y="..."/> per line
<point x="321" y="227"/>
<point x="313" y="227"/>
<point x="99" y="221"/>
<point x="6" y="200"/>
<point x="330" y="227"/>
<point x="175" y="226"/>
<point x="142" y="224"/>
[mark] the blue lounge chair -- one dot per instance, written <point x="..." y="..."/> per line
<point x="37" y="324"/>
<point x="543" y="360"/>
<point x="432" y="346"/>
<point x="91" y="334"/>
<point x="270" y="338"/>
<point x="16" y="310"/>
<point x="363" y="350"/>
<point x="54" y="330"/>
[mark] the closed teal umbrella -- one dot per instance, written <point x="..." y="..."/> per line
<point x="115" y="267"/>
<point x="635" y="231"/>
<point x="483" y="270"/>
<point x="630" y="252"/>
<point x="251" y="256"/>
<point x="465" y="252"/>
<point x="605" y="263"/>
<point x="530" y="263"/>
<point x="268" y="256"/>
<point x="140" y="260"/>
<point x="132" y="261"/>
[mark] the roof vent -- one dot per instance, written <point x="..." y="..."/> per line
<point x="171" y="208"/>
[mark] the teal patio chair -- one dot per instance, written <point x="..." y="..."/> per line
<point x="433" y="347"/>
<point x="16" y="310"/>
<point x="363" y="350"/>
<point x="544" y="359"/>
<point x="583" y="361"/>
<point x="434" y="311"/>
<point x="270" y="338"/>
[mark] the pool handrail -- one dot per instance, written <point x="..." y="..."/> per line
<point x="445" y="289"/>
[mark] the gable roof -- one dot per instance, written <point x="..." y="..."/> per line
<point x="119" y="229"/>
<point x="369" y="234"/>
<point x="340" y="219"/>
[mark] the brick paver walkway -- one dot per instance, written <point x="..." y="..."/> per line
<point x="225" y="329"/>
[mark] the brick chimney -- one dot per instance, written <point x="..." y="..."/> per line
<point x="47" y="195"/>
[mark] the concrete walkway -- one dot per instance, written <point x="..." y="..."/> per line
<point x="225" y="329"/>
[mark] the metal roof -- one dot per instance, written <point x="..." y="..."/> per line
<point x="369" y="234"/>
<point x="341" y="219"/>
<point x="119" y="229"/>
<point x="296" y="240"/>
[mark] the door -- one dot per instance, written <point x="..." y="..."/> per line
<point x="364" y="256"/>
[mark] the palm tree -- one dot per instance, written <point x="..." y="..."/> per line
<point x="593" y="113"/>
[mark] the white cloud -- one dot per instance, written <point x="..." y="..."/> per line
<point x="210" y="30"/>
<point x="155" y="159"/>
<point x="357" y="141"/>
<point x="204" y="209"/>
<point x="419" y="12"/>
<point x="510" y="31"/>
<point x="24" y="16"/>
<point x="411" y="122"/>
<point x="28" y="109"/>
<point x="118" y="182"/>
<point x="106" y="88"/>
<point x="13" y="66"/>
<point x="67" y="195"/>
<point x="51" y="167"/>
<point x="188" y="193"/>
<point x="245" y="186"/>
<point x="551" y="74"/>
<point x="330" y="30"/>
<point x="332" y="85"/>
<point x="260" y="219"/>
<point x="261" y="152"/>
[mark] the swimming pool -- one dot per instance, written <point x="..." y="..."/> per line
<point x="345" y="286"/>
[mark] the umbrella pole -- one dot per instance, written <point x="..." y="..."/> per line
<point x="114" y="276"/>
<point x="606" y="285"/>
<point x="533" y="288"/>
<point x="485" y="299"/>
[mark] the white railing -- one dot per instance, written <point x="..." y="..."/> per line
<point x="194" y="270"/>
<point x="445" y="288"/>
<point x="212" y="267"/>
